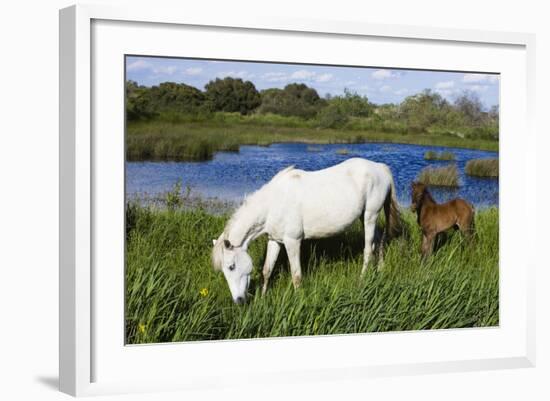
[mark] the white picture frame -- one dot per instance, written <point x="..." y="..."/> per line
<point x="91" y="362"/>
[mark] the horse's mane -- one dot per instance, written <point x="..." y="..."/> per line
<point x="247" y="212"/>
<point x="426" y="195"/>
<point x="255" y="199"/>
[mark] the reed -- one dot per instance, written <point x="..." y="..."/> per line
<point x="433" y="155"/>
<point x="482" y="167"/>
<point x="342" y="151"/>
<point x="446" y="176"/>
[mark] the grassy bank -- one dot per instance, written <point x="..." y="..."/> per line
<point x="194" y="138"/>
<point x="173" y="294"/>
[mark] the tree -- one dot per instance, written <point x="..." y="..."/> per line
<point x="138" y="106"/>
<point x="294" y="100"/>
<point x="469" y="105"/>
<point x="352" y="104"/>
<point x="423" y="110"/>
<point x="176" y="97"/>
<point x="232" y="95"/>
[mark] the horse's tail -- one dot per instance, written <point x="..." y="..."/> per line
<point x="394" y="225"/>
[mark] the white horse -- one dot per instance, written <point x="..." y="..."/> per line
<point x="296" y="205"/>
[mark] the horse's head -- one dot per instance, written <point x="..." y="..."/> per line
<point x="417" y="193"/>
<point x="236" y="265"/>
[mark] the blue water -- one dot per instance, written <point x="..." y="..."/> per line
<point x="230" y="176"/>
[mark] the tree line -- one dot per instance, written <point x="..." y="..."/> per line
<point x="426" y="111"/>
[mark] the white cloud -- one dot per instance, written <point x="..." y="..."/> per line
<point x="235" y="74"/>
<point x="445" y="85"/>
<point x="385" y="88"/>
<point x="142" y="65"/>
<point x="303" y="74"/>
<point x="384" y="74"/>
<point x="138" y="65"/>
<point x="479" y="78"/>
<point x="446" y="92"/>
<point x="165" y="70"/>
<point x="275" y="76"/>
<point x="400" y="92"/>
<point x="323" y="77"/>
<point x="478" y="88"/>
<point x="300" y="75"/>
<point x="193" y="70"/>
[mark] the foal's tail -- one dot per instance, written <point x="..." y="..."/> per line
<point x="394" y="225"/>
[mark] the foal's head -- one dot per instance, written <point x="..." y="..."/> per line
<point x="417" y="190"/>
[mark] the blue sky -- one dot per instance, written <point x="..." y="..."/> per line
<point x="380" y="85"/>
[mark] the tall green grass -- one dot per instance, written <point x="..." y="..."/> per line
<point x="482" y="167"/>
<point x="173" y="294"/>
<point x="181" y="137"/>
<point x="445" y="176"/>
<point x="433" y="155"/>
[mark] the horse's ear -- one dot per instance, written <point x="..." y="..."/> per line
<point x="227" y="244"/>
<point x="214" y="242"/>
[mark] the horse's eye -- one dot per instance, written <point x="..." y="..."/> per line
<point x="232" y="267"/>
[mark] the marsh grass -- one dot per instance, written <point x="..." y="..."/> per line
<point x="446" y="176"/>
<point x="168" y="268"/>
<point x="197" y="138"/>
<point x="313" y="148"/>
<point x="342" y="151"/>
<point x="433" y="155"/>
<point x="482" y="167"/>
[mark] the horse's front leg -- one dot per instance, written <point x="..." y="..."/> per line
<point x="293" y="251"/>
<point x="271" y="255"/>
<point x="369" y="227"/>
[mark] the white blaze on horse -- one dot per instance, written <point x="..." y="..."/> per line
<point x="296" y="205"/>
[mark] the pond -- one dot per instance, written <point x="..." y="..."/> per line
<point x="229" y="176"/>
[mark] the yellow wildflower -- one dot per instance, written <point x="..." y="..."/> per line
<point x="203" y="292"/>
<point x="141" y="328"/>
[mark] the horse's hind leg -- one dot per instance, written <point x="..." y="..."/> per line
<point x="271" y="255"/>
<point x="293" y="251"/>
<point x="369" y="226"/>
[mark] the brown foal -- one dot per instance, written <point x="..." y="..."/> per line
<point x="434" y="218"/>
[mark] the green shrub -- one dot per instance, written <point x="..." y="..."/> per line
<point x="332" y="116"/>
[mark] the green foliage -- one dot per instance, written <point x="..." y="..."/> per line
<point x="423" y="110"/>
<point x="294" y="100"/>
<point x="168" y="98"/>
<point x="168" y="268"/>
<point x="232" y="95"/>
<point x="446" y="176"/>
<point x="482" y="167"/>
<point x="332" y="116"/>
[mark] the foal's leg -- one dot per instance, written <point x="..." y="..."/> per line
<point x="427" y="244"/>
<point x="272" y="252"/>
<point x="293" y="251"/>
<point x="369" y="226"/>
